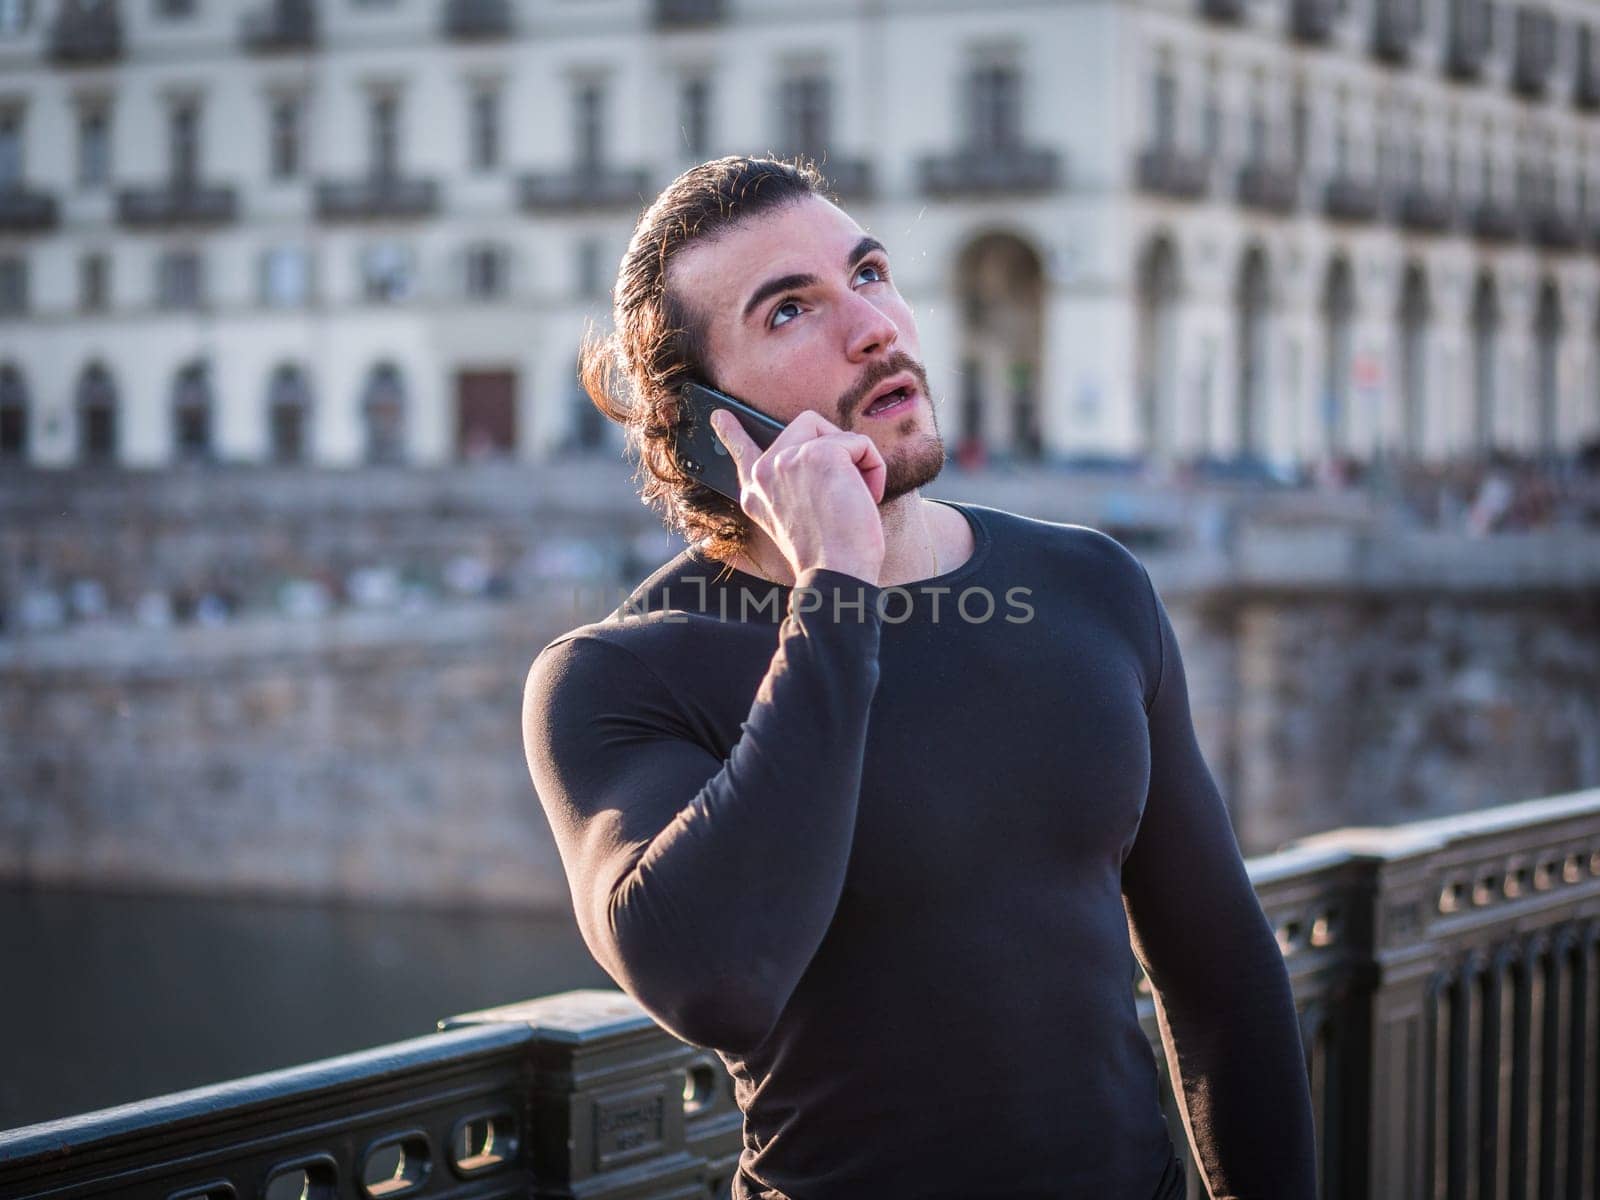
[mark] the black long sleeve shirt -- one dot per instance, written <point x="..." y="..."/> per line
<point x="886" y="860"/>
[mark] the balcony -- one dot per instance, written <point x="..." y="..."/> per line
<point x="1346" y="198"/>
<point x="1429" y="962"/>
<point x="1167" y="171"/>
<point x="85" y="34"/>
<point x="675" y="14"/>
<point x="850" y="178"/>
<point x="1421" y="209"/>
<point x="1552" y="227"/>
<point x="381" y="196"/>
<point x="22" y="211"/>
<point x="1313" y="21"/>
<point x="1467" y="48"/>
<point x="1586" y="81"/>
<point x="283" y="25"/>
<point x="991" y="171"/>
<point x="1266" y="188"/>
<point x="1494" y="221"/>
<point x="475" y="20"/>
<point x="1394" y="29"/>
<point x="176" y="203"/>
<point x="1224" y="10"/>
<point x="583" y="187"/>
<point x="1535" y="52"/>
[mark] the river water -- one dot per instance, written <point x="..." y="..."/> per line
<point x="109" y="998"/>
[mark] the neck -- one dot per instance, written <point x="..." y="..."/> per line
<point x="907" y="539"/>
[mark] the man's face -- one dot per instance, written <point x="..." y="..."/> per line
<point x="801" y="312"/>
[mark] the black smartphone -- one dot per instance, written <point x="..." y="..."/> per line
<point x="698" y="449"/>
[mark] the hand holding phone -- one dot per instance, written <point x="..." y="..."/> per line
<point x="697" y="448"/>
<point x="814" y="491"/>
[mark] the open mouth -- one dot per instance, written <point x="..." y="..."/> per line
<point x="891" y="402"/>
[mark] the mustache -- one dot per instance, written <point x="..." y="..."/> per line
<point x="875" y="374"/>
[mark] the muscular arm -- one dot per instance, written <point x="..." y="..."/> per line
<point x="704" y="886"/>
<point x="1223" y="1001"/>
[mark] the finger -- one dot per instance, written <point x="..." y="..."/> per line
<point x="807" y="424"/>
<point x="741" y="447"/>
<point x="869" y="461"/>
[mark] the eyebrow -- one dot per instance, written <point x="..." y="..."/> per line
<point x="785" y="283"/>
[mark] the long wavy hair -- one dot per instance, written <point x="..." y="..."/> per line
<point x="658" y="340"/>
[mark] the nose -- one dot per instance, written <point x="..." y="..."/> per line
<point x="871" y="332"/>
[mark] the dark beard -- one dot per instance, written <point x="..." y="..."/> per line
<point x="906" y="467"/>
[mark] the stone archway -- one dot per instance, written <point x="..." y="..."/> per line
<point x="383" y="415"/>
<point x="1000" y="284"/>
<point x="1156" y="349"/>
<point x="289" y="415"/>
<point x="193" y="414"/>
<point x="1485" y="362"/>
<point x="1338" y="322"/>
<point x="1416" y="315"/>
<point x="1252" y="301"/>
<point x="96" y="402"/>
<point x="1547" y="328"/>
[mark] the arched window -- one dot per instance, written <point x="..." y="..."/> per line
<point x="1252" y="300"/>
<point x="1156" y="365"/>
<point x="1485" y="362"/>
<point x="1415" y="313"/>
<point x="1000" y="279"/>
<point x="13" y="413"/>
<point x="383" y="414"/>
<point x="1546" y="366"/>
<point x="192" y="413"/>
<point x="1338" y="316"/>
<point x="288" y="415"/>
<point x="96" y="403"/>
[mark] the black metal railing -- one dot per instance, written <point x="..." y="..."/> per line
<point x="472" y="19"/>
<point x="85" y="33"/>
<point x="849" y="178"/>
<point x="1313" y="21"/>
<point x="177" y="202"/>
<point x="1224" y="10"/>
<point x="673" y="13"/>
<point x="1168" y="171"/>
<point x="1421" y="208"/>
<point x="1446" y="973"/>
<point x="1268" y="188"/>
<point x="582" y="187"/>
<point x="23" y="210"/>
<point x="1347" y="198"/>
<point x="1553" y="227"/>
<point x="988" y="171"/>
<point x="377" y="197"/>
<point x="1494" y="220"/>
<point x="281" y="25"/>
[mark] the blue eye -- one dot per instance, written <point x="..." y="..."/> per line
<point x="777" y="313"/>
<point x="875" y="269"/>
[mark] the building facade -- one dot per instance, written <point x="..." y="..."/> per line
<point x="340" y="231"/>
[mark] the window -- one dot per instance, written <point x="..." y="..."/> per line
<point x="1164" y="107"/>
<point x="589" y="114"/>
<point x="94" y="145"/>
<point x="13" y="285"/>
<point x="10" y="148"/>
<point x="806" y="103"/>
<point x="386" y="274"/>
<point x="179" y="283"/>
<point x="173" y="10"/>
<point x="1212" y="120"/>
<point x="286" y="276"/>
<point x="694" y="116"/>
<point x="1300" y="127"/>
<point x="97" y="416"/>
<point x="288" y="415"/>
<point x="383" y="133"/>
<point x="589" y="272"/>
<point x="14" y="16"/>
<point x="183" y="140"/>
<point x="285" y="135"/>
<point x="485" y="134"/>
<point x="94" y="282"/>
<point x="994" y="106"/>
<point x="383" y="411"/>
<point x="191" y="413"/>
<point x="13" y="413"/>
<point x="486" y="272"/>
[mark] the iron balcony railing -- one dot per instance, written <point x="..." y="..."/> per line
<point x="1446" y="973"/>
<point x="1553" y="227"/>
<point x="1268" y="188"/>
<point x="281" y="25"/>
<point x="177" y="202"/>
<point x="1494" y="221"/>
<point x="1347" y="198"/>
<point x="26" y="211"/>
<point x="472" y="19"/>
<point x="850" y="178"/>
<point x="674" y="13"/>
<point x="1224" y="10"/>
<point x="990" y="171"/>
<point x="377" y="197"/>
<point x="583" y="187"/>
<point x="1168" y="171"/>
<point x="1424" y="209"/>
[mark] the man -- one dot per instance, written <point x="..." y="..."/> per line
<point x="866" y="791"/>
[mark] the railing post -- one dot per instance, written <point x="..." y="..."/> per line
<point x="606" y="1108"/>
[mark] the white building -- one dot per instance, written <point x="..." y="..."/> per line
<point x="344" y="230"/>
